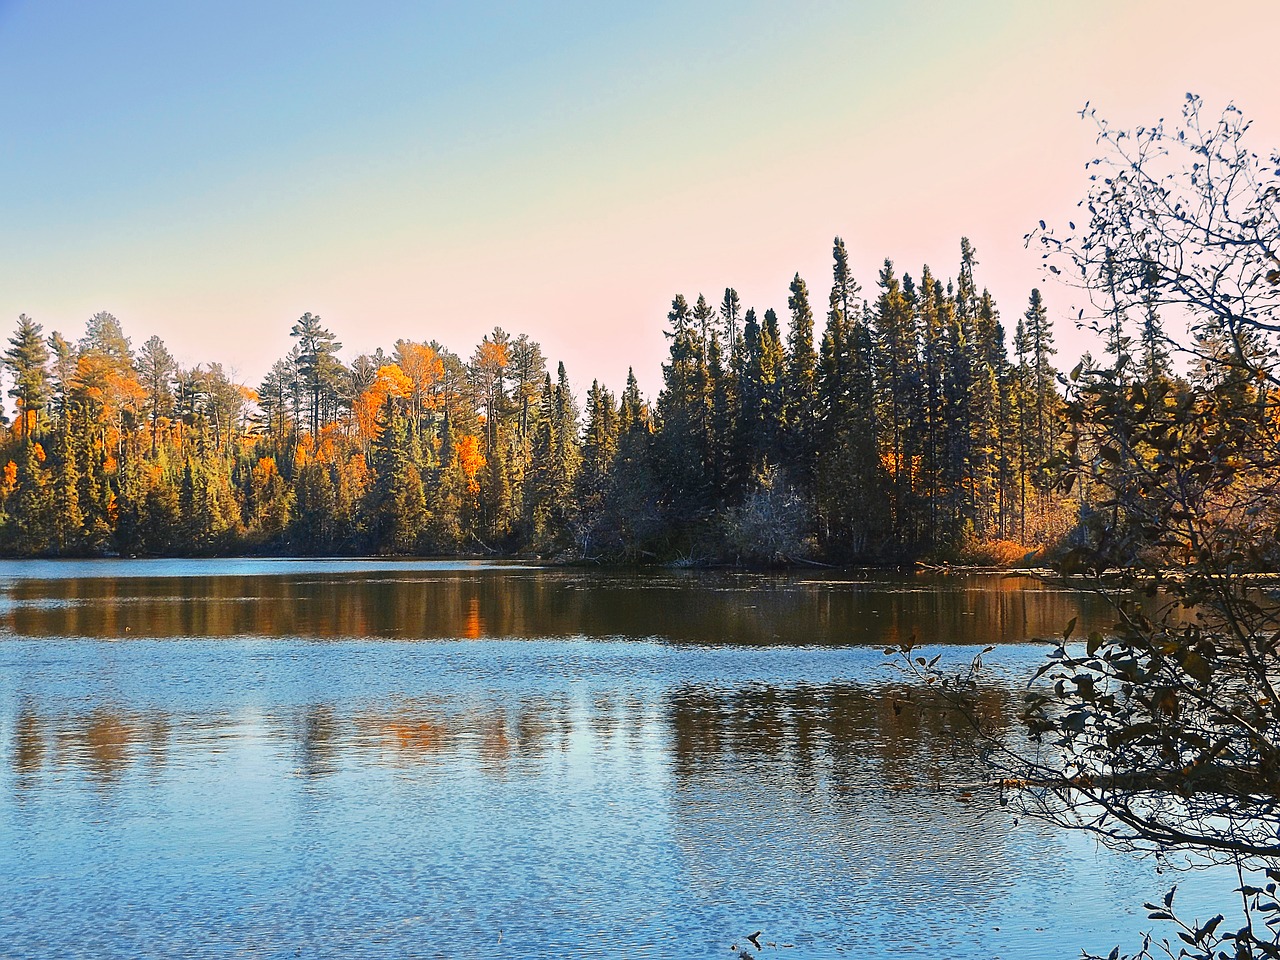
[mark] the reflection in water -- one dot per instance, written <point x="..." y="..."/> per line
<point x="864" y="736"/>
<point x="470" y="603"/>
<point x="585" y="797"/>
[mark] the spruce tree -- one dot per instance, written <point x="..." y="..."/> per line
<point x="899" y="400"/>
<point x="800" y="392"/>
<point x="399" y="504"/>
<point x="730" y="319"/>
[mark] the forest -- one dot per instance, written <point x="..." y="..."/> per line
<point x="914" y="427"/>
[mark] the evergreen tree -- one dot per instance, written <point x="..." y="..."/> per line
<point x="899" y="400"/>
<point x="156" y="370"/>
<point x="399" y="505"/>
<point x="799" y="393"/>
<point x="67" y="521"/>
<point x="683" y="449"/>
<point x="318" y="366"/>
<point x="771" y="380"/>
<point x="25" y="359"/>
<point x="730" y="317"/>
<point x="63" y="369"/>
<point x="1044" y="396"/>
<point x="1155" y="351"/>
<point x="599" y="450"/>
<point x="34" y="510"/>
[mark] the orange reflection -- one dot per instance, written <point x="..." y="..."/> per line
<point x="474" y="628"/>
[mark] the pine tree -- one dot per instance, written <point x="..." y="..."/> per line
<point x="497" y="504"/>
<point x="156" y="369"/>
<point x="771" y="378"/>
<point x="847" y="473"/>
<point x="987" y="406"/>
<point x="318" y="366"/>
<point x="961" y="496"/>
<point x="932" y="413"/>
<point x="63" y="368"/>
<point x="25" y="360"/>
<point x="633" y="493"/>
<point x="34" y="510"/>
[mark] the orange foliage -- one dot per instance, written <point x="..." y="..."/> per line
<point x="108" y="385"/>
<point x="909" y="467"/>
<point x="330" y="442"/>
<point x="391" y="381"/>
<point x="492" y="356"/>
<point x="423" y="368"/>
<point x="472" y="460"/>
<point x="264" y="472"/>
<point x="1001" y="553"/>
<point x="10" y="478"/>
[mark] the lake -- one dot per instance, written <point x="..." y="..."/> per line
<point x="276" y="759"/>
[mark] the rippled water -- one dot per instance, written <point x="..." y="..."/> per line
<point x="426" y="760"/>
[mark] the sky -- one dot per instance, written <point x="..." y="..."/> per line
<point x="209" y="171"/>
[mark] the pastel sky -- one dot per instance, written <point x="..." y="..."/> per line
<point x="209" y="171"/>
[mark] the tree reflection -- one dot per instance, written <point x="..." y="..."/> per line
<point x="870" y="737"/>
<point x="708" y="607"/>
<point x="103" y="742"/>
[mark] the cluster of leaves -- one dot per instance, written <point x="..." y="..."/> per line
<point x="1257" y="939"/>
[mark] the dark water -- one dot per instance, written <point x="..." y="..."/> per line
<point x="425" y="760"/>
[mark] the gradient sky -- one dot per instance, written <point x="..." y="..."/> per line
<point x="209" y="171"/>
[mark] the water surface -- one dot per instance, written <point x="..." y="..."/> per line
<point x="267" y="759"/>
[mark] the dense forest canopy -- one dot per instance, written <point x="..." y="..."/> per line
<point x="907" y="424"/>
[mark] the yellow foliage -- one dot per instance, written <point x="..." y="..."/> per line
<point x="356" y="475"/>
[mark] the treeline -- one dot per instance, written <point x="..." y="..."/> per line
<point x="907" y="429"/>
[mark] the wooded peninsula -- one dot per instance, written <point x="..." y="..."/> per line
<point x="913" y="427"/>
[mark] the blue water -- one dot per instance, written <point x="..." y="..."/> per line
<point x="290" y="796"/>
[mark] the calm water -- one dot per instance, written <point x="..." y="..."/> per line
<point x="355" y="759"/>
